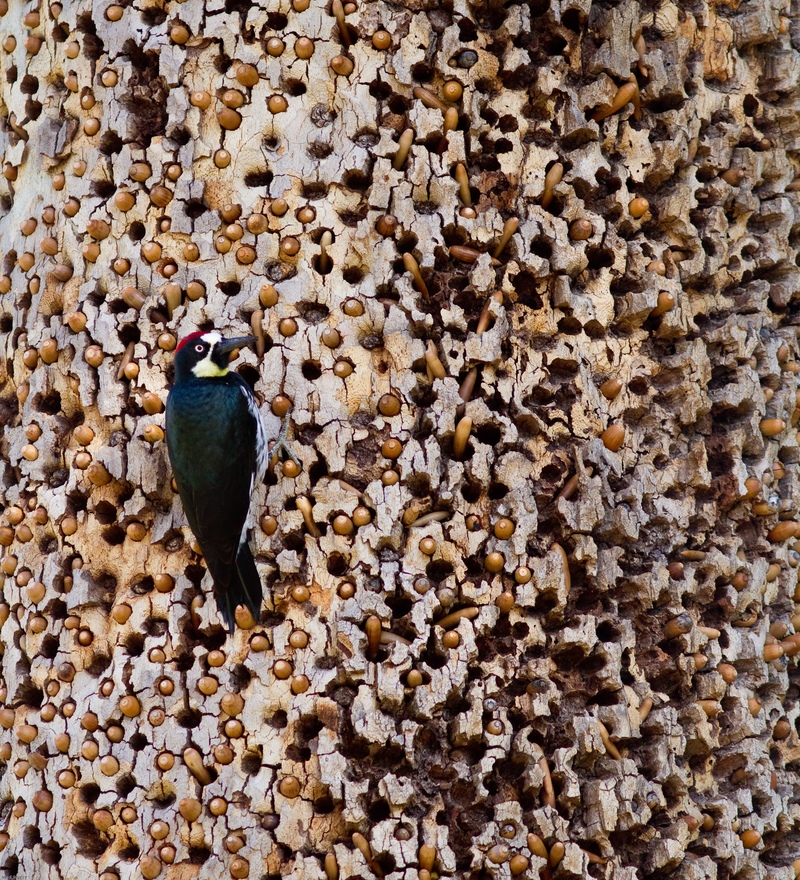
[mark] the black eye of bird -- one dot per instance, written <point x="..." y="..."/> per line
<point x="198" y="348"/>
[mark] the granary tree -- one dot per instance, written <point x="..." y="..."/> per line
<point x="524" y="276"/>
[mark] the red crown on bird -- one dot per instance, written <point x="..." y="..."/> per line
<point x="186" y="339"/>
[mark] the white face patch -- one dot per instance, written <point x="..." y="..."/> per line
<point x="206" y="368"/>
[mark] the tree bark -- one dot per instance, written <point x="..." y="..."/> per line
<point x="527" y="275"/>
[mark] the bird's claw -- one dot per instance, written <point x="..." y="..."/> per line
<point x="281" y="442"/>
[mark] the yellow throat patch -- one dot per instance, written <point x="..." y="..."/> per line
<point x="207" y="369"/>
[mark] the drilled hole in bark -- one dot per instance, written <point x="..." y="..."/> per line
<point x="110" y="143"/>
<point x="319" y="150"/>
<point x="278" y="719"/>
<point x="380" y="90"/>
<point x="153" y="15"/>
<point x="256" y="179"/>
<point x="398" y="104"/>
<point x="189" y="718"/>
<point x="114" y="535"/>
<point x="105" y="512"/>
<point x="138" y="741"/>
<point x="89" y="842"/>
<point x="252" y="761"/>
<point x="49" y="403"/>
<point x="29" y="85"/>
<point x="134" y="644"/>
<point x="230" y="288"/>
<point x="195" y="208"/>
<point x="92" y="46"/>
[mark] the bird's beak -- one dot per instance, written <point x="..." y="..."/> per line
<point x="226" y="346"/>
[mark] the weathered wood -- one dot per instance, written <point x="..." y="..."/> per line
<point x="527" y="274"/>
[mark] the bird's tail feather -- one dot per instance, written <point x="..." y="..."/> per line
<point x="244" y="588"/>
<point x="235" y="584"/>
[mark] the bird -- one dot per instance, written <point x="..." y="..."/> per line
<point x="218" y="448"/>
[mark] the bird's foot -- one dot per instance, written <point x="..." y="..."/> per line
<point x="281" y="442"/>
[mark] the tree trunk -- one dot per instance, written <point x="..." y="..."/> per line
<point x="527" y="275"/>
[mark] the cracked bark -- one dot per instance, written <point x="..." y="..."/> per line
<point x="633" y="415"/>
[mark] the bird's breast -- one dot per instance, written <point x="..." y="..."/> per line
<point x="210" y="433"/>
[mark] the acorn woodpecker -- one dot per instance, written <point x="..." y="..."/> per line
<point x="218" y="450"/>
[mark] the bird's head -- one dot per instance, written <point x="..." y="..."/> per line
<point x="205" y="355"/>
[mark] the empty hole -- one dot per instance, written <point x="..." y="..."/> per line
<point x="230" y="288"/>
<point x="437" y="571"/>
<point x="134" y="644"/>
<point x="352" y="274"/>
<point x="380" y="90"/>
<point x="138" y="741"/>
<point x="278" y="720"/>
<point x="110" y="143"/>
<point x="313" y="313"/>
<point x="314" y="190"/>
<point x="258" y="178"/>
<point x="319" y="150"/>
<point x="180" y="135"/>
<point x="599" y="258"/>
<point x="337" y="565"/>
<point x="489" y="115"/>
<point x="152" y="16"/>
<point x="489" y="434"/>
<point x="105" y="513"/>
<point x="103" y="188"/>
<point x="295" y="87"/>
<point x="353" y="218"/>
<point x="114" y="535"/>
<point x="195" y="208"/>
<point x="311" y="370"/>
<point x="379" y="811"/>
<point x="541" y="248"/>
<point x="422" y="72"/>
<point x="199" y="855"/>
<point x="89" y="793"/>
<point x="89" y="842"/>
<point x="130" y="852"/>
<point x="398" y="104"/>
<point x="357" y="180"/>
<point x="324" y="804"/>
<point x="125" y="785"/>
<point x="189" y="718"/>
<point x="471" y="492"/>
<point x="508" y="124"/>
<point x="29" y="85"/>
<point x="570" y="326"/>
<point x="407" y="243"/>
<point x="251" y="762"/>
<point x="249" y="373"/>
<point x="49" y="647"/>
<point x="467" y="30"/>
<point x="607" y="632"/>
<point x="155" y="627"/>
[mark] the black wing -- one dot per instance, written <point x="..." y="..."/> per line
<point x="211" y="436"/>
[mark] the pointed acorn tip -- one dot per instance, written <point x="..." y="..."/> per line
<point x="244" y="617"/>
